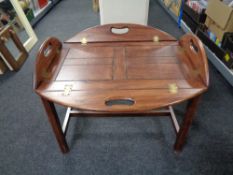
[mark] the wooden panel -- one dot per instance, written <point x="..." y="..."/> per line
<point x="117" y="84"/>
<point x="191" y="74"/>
<point x="121" y="44"/>
<point x="119" y="64"/>
<point x="144" y="99"/>
<point x="88" y="61"/>
<point x="154" y="71"/>
<point x="151" y="60"/>
<point x="136" y="33"/>
<point x="146" y="51"/>
<point x="90" y="52"/>
<point x="91" y="72"/>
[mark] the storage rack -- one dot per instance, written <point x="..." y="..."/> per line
<point x="42" y="12"/>
<point x="220" y="66"/>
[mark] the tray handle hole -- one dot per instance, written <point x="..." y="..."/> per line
<point x="193" y="46"/>
<point x="126" y="102"/>
<point x="120" y="31"/>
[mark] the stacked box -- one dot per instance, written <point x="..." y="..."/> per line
<point x="219" y="18"/>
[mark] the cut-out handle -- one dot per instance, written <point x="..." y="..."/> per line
<point x="50" y="48"/>
<point x="47" y="50"/>
<point x="193" y="46"/>
<point x="124" y="101"/>
<point x="120" y="30"/>
<point x="47" y="60"/>
<point x="195" y="51"/>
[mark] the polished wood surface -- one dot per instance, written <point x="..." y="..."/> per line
<point x="135" y="72"/>
<point x="104" y="33"/>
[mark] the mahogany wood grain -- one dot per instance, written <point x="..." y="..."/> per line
<point x="131" y="71"/>
<point x="193" y="47"/>
<point x="136" y="33"/>
<point x="47" y="61"/>
<point x="188" y="118"/>
<point x="145" y="99"/>
<point x="55" y="123"/>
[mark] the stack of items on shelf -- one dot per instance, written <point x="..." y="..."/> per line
<point x="217" y="32"/>
<point x="32" y="8"/>
<point x="197" y="5"/>
<point x="212" y="21"/>
<point x="194" y="13"/>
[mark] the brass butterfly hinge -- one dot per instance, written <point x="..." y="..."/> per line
<point x="156" y="39"/>
<point x="173" y="89"/>
<point x="67" y="90"/>
<point x="83" y="41"/>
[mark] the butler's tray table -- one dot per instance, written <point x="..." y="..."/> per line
<point x="119" y="70"/>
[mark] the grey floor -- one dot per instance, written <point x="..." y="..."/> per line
<point x="113" y="145"/>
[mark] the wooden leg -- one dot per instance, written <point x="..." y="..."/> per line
<point x="55" y="123"/>
<point x="187" y="121"/>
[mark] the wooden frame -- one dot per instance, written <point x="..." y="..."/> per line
<point x="15" y="64"/>
<point x="60" y="129"/>
<point x="3" y="67"/>
<point x="27" y="26"/>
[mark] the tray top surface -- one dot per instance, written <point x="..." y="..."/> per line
<point x="150" y="74"/>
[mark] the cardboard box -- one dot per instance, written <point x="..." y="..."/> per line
<point x="173" y="5"/>
<point x="219" y="18"/>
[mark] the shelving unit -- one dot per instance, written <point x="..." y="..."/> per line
<point x="38" y="12"/>
<point x="220" y="66"/>
<point x="42" y="12"/>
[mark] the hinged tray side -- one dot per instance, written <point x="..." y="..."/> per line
<point x="49" y="58"/>
<point x="120" y="32"/>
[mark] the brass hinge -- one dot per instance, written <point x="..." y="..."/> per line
<point x="67" y="90"/>
<point x="156" y="39"/>
<point x="83" y="41"/>
<point x="173" y="89"/>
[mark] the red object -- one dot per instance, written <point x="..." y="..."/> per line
<point x="42" y="3"/>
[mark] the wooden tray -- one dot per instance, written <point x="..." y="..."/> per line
<point x="99" y="71"/>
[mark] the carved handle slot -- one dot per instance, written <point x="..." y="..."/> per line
<point x="47" y="57"/>
<point x="119" y="31"/>
<point x="120" y="101"/>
